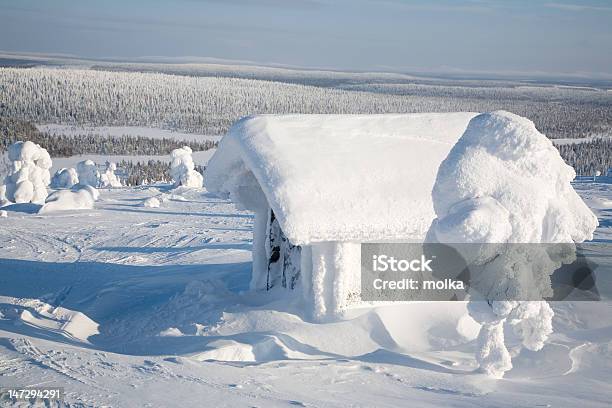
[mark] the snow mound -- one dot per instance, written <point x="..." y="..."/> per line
<point x="88" y="173"/>
<point x="109" y="178"/>
<point x="63" y="200"/>
<point x="28" y="176"/>
<point x="338" y="177"/>
<point x="151" y="202"/>
<point x="182" y="169"/>
<point x="43" y="316"/>
<point x="65" y="178"/>
<point x="269" y="348"/>
<point x="3" y="214"/>
<point x="505" y="182"/>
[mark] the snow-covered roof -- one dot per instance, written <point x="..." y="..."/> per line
<point x="339" y="177"/>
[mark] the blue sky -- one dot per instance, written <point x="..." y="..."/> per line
<point x="573" y="37"/>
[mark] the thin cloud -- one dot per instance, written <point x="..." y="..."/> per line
<point x="471" y="6"/>
<point x="577" y="7"/>
<point x="265" y="3"/>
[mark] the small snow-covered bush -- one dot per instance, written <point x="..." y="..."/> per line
<point x="3" y="200"/>
<point x="505" y="183"/>
<point x="28" y="175"/>
<point x="88" y="173"/>
<point x="151" y="202"/>
<point x="182" y="169"/>
<point x="65" y="178"/>
<point x="109" y="178"/>
<point x="63" y="200"/>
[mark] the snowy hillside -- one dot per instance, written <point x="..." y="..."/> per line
<point x="210" y="104"/>
<point x="126" y="305"/>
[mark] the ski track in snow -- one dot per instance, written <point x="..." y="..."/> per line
<point x="127" y="306"/>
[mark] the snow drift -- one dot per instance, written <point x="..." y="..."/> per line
<point x="28" y="176"/>
<point x="65" y="178"/>
<point x="182" y="169"/>
<point x="504" y="182"/>
<point x="63" y="200"/>
<point x="151" y="202"/>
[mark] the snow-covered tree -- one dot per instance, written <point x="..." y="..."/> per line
<point x="88" y="173"/>
<point x="28" y="176"/>
<point x="65" y="178"/>
<point x="503" y="184"/>
<point x="108" y="178"/>
<point x="182" y="169"/>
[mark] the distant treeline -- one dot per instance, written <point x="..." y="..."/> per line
<point x="12" y="130"/>
<point x="71" y="145"/>
<point x="139" y="173"/>
<point x="588" y="157"/>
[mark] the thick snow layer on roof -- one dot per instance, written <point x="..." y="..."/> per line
<point x="339" y="177"/>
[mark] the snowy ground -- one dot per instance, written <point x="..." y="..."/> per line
<point x="559" y="142"/>
<point x="125" y="305"/>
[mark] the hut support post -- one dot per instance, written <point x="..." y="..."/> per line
<point x="335" y="278"/>
<point x="260" y="252"/>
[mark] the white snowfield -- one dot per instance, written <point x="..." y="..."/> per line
<point x="339" y="177"/>
<point x="118" y="131"/>
<point x="130" y="305"/>
<point x="125" y="305"/>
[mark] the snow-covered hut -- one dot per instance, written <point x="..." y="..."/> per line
<point x="322" y="184"/>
